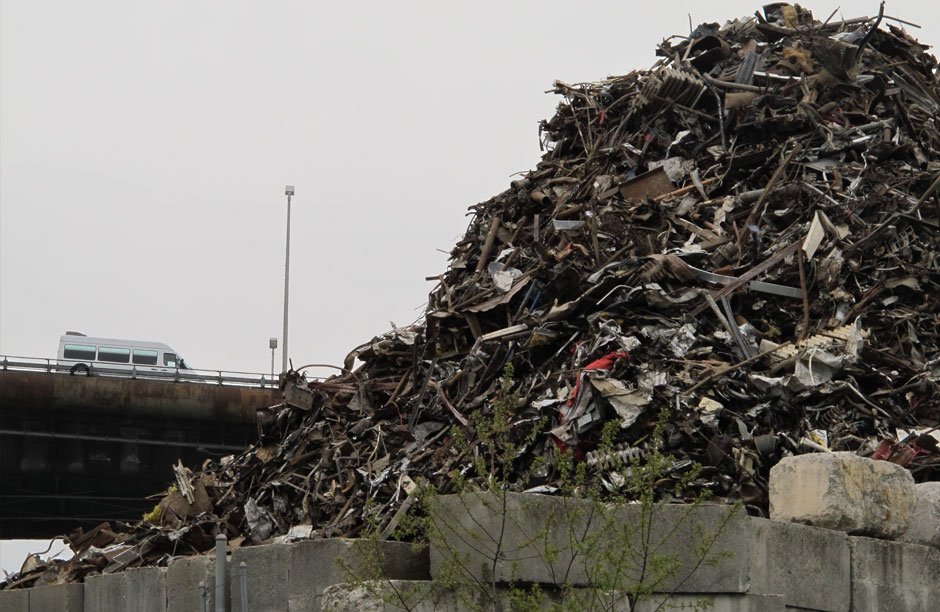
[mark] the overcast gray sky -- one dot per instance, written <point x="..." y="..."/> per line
<point x="145" y="146"/>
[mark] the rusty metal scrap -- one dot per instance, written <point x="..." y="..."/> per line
<point x="745" y="234"/>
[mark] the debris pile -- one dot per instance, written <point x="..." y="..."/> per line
<point x="745" y="234"/>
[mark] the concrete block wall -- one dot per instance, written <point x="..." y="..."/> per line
<point x="775" y="566"/>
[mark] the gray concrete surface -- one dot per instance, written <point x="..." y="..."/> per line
<point x="546" y="539"/>
<point x="145" y="589"/>
<point x="314" y="566"/>
<point x="267" y="577"/>
<point x="182" y="583"/>
<point x="894" y="576"/>
<point x="810" y="566"/>
<point x="57" y="598"/>
<point x="15" y="601"/>
<point x="422" y="597"/>
<point x="105" y="592"/>
<point x="925" y="523"/>
<point x="777" y="565"/>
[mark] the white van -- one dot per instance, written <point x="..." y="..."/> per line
<point x="81" y="354"/>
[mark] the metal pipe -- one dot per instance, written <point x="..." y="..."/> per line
<point x="220" y="559"/>
<point x="243" y="581"/>
<point x="202" y="596"/>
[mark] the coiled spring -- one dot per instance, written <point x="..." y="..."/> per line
<point x="618" y="455"/>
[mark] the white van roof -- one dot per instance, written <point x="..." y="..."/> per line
<point x="76" y="338"/>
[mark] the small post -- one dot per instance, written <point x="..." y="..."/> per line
<point x="202" y="596"/>
<point x="243" y="581"/>
<point x="220" y="545"/>
<point x="272" y="344"/>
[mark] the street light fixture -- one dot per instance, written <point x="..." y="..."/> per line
<point x="288" y="191"/>
<point x="272" y="344"/>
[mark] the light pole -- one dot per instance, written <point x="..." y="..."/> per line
<point x="288" y="191"/>
<point x="272" y="344"/>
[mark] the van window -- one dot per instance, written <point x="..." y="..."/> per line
<point x="114" y="355"/>
<point x="169" y="360"/>
<point x="79" y="351"/>
<point x="145" y="357"/>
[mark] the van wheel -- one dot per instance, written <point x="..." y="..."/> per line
<point x="80" y="368"/>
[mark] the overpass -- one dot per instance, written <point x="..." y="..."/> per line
<point x="79" y="450"/>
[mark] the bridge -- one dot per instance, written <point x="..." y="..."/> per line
<point x="79" y="450"/>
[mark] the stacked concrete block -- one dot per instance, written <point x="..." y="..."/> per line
<point x="145" y="589"/>
<point x="105" y="592"/>
<point x="844" y="492"/>
<point x="894" y="576"/>
<point x="425" y="597"/>
<point x="925" y="522"/>
<point x="266" y="571"/>
<point x="183" y="576"/>
<point x="135" y="590"/>
<point x="554" y="540"/>
<point x="56" y="598"/>
<point x="809" y="566"/>
<point x="15" y="601"/>
<point x="317" y="564"/>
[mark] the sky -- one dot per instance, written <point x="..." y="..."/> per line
<point x="145" y="147"/>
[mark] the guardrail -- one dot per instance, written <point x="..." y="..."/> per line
<point x="215" y="377"/>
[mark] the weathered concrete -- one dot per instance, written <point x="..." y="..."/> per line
<point x="925" y="522"/>
<point x="15" y="601"/>
<point x="894" y="576"/>
<point x="314" y="565"/>
<point x="267" y="577"/>
<point x="182" y="583"/>
<point x="105" y="592"/>
<point x="57" y="598"/>
<point x="425" y="597"/>
<point x="537" y="538"/>
<point x="810" y="566"/>
<point x="843" y="491"/>
<point x="145" y="589"/>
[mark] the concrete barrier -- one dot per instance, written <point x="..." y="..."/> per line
<point x="809" y="566"/>
<point x="423" y="597"/>
<point x="775" y="565"/>
<point x="16" y="601"/>
<point x="539" y="538"/>
<point x="894" y="576"/>
<point x="56" y="598"/>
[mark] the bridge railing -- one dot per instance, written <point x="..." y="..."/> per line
<point x="216" y="377"/>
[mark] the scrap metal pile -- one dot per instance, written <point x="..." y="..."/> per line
<point x="745" y="234"/>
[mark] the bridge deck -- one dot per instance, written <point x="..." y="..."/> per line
<point x="77" y="450"/>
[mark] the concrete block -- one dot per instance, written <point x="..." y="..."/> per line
<point x="16" y="600"/>
<point x="266" y="571"/>
<point x="313" y="566"/>
<point x="556" y="540"/>
<point x="183" y="575"/>
<point x="844" y="492"/>
<point x="894" y="576"/>
<point x="145" y="589"/>
<point x="57" y="598"/>
<point x="809" y="566"/>
<point x="428" y="597"/>
<point x="105" y="592"/>
<point x="925" y="522"/>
